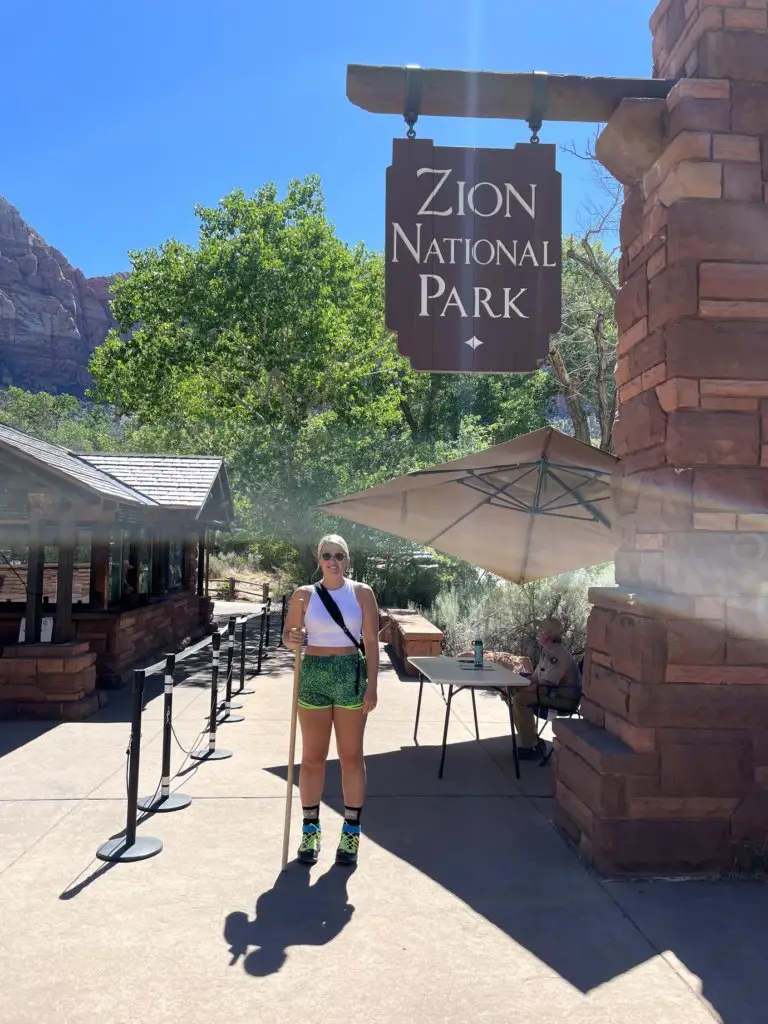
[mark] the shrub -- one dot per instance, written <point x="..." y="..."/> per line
<point x="505" y="615"/>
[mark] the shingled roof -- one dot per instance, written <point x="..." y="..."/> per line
<point x="183" y="482"/>
<point x="64" y="463"/>
<point x="172" y="481"/>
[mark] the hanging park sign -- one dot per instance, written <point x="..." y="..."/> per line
<point x="473" y="256"/>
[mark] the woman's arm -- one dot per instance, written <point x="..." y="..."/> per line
<point x="293" y="628"/>
<point x="514" y="662"/>
<point x="370" y="635"/>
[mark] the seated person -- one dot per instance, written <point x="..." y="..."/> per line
<point x="555" y="684"/>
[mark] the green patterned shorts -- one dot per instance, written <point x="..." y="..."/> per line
<point x="331" y="681"/>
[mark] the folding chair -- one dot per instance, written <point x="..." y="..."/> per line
<point x="550" y="715"/>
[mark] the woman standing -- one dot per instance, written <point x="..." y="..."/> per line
<point x="337" y="689"/>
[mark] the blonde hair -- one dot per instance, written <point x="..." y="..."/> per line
<point x="333" y="538"/>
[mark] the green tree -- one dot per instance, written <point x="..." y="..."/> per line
<point x="63" y="420"/>
<point x="266" y="343"/>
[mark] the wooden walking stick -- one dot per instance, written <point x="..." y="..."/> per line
<point x="291" y="752"/>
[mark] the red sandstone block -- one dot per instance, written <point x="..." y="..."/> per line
<point x="729" y="675"/>
<point x="733" y="309"/>
<point x="721" y="768"/>
<point x="603" y="751"/>
<point x="728" y="404"/>
<point x="656" y="263"/>
<point x="717" y="521"/>
<point x="742" y="489"/>
<point x="755" y="19"/>
<point x="713" y="705"/>
<point x="700" y="348"/>
<point x="689" y="808"/>
<point x="638" y="646"/>
<point x="632" y="336"/>
<point x="592" y="713"/>
<point x="713" y="438"/>
<point x="736" y="148"/>
<point x="699" y="115"/>
<point x="734" y="281"/>
<point x="692" y="179"/>
<point x="629" y="847"/>
<point x="640" y="423"/>
<point x="21" y="691"/>
<point x="608" y="689"/>
<point x="655" y="376"/>
<point x="573" y="807"/>
<point x="632" y="301"/>
<point x="748" y="652"/>
<point x="739" y="55"/>
<point x="642" y="786"/>
<point x="678" y="393"/>
<point x="684" y="54"/>
<point x="640" y="739"/>
<point x="598" y="625"/>
<point x="602" y="793"/>
<point x="743" y="182"/>
<point x="665" y="501"/>
<point x="713" y="230"/>
<point x="694" y="642"/>
<point x="646" y="247"/>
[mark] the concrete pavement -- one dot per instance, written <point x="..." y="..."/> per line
<point x="467" y="905"/>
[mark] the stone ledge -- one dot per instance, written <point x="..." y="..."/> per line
<point x="602" y="750"/>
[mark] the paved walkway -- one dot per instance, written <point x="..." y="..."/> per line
<point x="467" y="905"/>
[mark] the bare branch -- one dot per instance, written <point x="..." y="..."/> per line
<point x="572" y="399"/>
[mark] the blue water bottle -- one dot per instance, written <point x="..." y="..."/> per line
<point x="478" y="653"/>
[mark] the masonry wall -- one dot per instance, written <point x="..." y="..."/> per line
<point x="669" y="772"/>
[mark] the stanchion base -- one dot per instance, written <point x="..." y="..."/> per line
<point x="229" y="718"/>
<point x="172" y="802"/>
<point x="142" y="849"/>
<point x="244" y="693"/>
<point x="211" y="755"/>
<point x="232" y="707"/>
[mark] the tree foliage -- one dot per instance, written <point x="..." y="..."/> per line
<point x="63" y="420"/>
<point x="266" y="343"/>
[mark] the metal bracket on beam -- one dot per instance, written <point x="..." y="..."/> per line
<point x="412" y="98"/>
<point x="539" y="101"/>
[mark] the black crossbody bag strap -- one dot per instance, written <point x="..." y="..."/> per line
<point x="335" y="612"/>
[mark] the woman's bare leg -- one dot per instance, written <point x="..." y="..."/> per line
<point x="349" y="727"/>
<point x="315" y="740"/>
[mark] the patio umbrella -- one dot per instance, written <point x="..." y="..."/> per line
<point x="529" y="508"/>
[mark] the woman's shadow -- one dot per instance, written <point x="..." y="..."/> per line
<point x="291" y="913"/>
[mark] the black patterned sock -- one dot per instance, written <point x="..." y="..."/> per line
<point x="311" y="815"/>
<point x="352" y="815"/>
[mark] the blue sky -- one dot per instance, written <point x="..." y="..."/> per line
<point x="119" y="117"/>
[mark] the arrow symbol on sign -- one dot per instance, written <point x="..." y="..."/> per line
<point x="473" y="342"/>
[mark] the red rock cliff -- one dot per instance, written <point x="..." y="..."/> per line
<point x="52" y="317"/>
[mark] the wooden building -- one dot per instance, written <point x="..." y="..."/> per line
<point x="102" y="566"/>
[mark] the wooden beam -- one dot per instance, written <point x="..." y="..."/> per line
<point x="382" y="90"/>
<point x="99" y="586"/>
<point x="35" y="570"/>
<point x="62" y="628"/>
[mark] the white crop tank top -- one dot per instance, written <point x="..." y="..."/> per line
<point x="322" y="631"/>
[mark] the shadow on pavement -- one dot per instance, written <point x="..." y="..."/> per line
<point x="501" y="855"/>
<point x="291" y="913"/>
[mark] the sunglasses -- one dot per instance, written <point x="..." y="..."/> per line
<point x="338" y="555"/>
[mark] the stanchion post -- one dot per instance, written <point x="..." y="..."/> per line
<point x="269" y="616"/>
<point x="211" y="753"/>
<point x="128" y="847"/>
<point x="261" y="639"/>
<point x="227" y="707"/>
<point x="166" y="801"/>
<point x="282" y="620"/>
<point x="243" y="644"/>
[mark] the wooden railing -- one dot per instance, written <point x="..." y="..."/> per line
<point x="234" y="586"/>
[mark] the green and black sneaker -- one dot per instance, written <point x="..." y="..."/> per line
<point x="309" y="847"/>
<point x="348" y="844"/>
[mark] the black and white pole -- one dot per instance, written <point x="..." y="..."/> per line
<point x="211" y="753"/>
<point x="227" y="707"/>
<point x="269" y="617"/>
<point x="241" y="690"/>
<point x="165" y="800"/>
<point x="262" y="621"/>
<point x="128" y="846"/>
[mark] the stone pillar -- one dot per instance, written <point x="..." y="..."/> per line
<point x="669" y="770"/>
